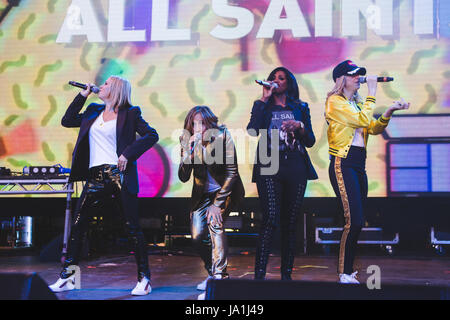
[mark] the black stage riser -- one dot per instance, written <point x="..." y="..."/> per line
<point x="24" y="286"/>
<point x="305" y="290"/>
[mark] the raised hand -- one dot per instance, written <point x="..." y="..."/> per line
<point x="267" y="92"/>
<point x="398" y="105"/>
<point x="87" y="92"/>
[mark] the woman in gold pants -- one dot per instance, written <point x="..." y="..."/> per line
<point x="208" y="151"/>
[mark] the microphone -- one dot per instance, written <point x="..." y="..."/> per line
<point x="267" y="84"/>
<point x="94" y="89"/>
<point x="197" y="140"/>
<point x="379" y="79"/>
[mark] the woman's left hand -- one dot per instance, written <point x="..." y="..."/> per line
<point x="398" y="105"/>
<point x="122" y="164"/>
<point x="293" y="125"/>
<point x="214" y="215"/>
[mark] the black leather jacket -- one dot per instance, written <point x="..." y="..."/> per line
<point x="225" y="172"/>
<point x="260" y="119"/>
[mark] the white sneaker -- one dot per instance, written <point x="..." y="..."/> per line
<point x="142" y="288"/>
<point x="346" y="278"/>
<point x="63" y="284"/>
<point x="201" y="296"/>
<point x="202" y="286"/>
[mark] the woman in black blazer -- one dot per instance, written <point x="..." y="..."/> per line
<point x="105" y="157"/>
<point x="283" y="122"/>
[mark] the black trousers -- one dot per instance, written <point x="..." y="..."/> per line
<point x="349" y="180"/>
<point x="105" y="184"/>
<point x="281" y="196"/>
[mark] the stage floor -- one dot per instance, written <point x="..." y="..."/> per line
<point x="175" y="277"/>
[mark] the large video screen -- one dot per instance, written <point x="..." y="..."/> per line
<point x="181" y="53"/>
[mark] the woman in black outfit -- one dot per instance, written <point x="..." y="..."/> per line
<point x="105" y="157"/>
<point x="284" y="123"/>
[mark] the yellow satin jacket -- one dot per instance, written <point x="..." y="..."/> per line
<point x="343" y="120"/>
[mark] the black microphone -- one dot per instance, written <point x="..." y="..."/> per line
<point x="379" y="79"/>
<point x="267" y="84"/>
<point x="94" y="89"/>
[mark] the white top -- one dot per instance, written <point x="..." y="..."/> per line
<point x="102" y="142"/>
<point x="358" y="139"/>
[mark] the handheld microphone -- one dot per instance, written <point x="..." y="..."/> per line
<point x="198" y="139"/>
<point x="379" y="79"/>
<point x="94" y="89"/>
<point x="267" y="84"/>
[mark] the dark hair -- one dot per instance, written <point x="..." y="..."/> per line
<point x="292" y="92"/>
<point x="210" y="119"/>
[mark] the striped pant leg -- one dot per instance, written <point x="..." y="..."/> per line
<point x="348" y="185"/>
<point x="269" y="191"/>
<point x="293" y="197"/>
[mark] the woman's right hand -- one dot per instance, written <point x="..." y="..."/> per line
<point x="267" y="92"/>
<point x="196" y="138"/>
<point x="372" y="85"/>
<point x="191" y="144"/>
<point x="87" y="92"/>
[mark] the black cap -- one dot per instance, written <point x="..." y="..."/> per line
<point x="347" y="68"/>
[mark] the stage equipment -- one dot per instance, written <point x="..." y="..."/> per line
<point x="418" y="155"/>
<point x="232" y="289"/>
<point x="439" y="239"/>
<point x="368" y="236"/>
<point x="24" y="286"/>
<point x="45" y="170"/>
<point x="48" y="185"/>
<point x="5" y="171"/>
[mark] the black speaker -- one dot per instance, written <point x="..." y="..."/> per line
<point x="230" y="289"/>
<point x="24" y="286"/>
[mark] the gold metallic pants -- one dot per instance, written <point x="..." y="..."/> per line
<point x="209" y="240"/>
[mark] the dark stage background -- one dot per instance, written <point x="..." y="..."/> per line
<point x="165" y="222"/>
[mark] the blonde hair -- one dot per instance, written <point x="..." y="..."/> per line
<point x="339" y="90"/>
<point x="120" y="92"/>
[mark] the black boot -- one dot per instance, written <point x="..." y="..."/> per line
<point x="136" y="239"/>
<point x="287" y="261"/>
<point x="286" y="276"/>
<point x="261" y="260"/>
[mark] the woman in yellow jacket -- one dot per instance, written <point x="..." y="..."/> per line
<point x="350" y="121"/>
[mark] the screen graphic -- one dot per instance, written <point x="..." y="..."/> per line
<point x="181" y="53"/>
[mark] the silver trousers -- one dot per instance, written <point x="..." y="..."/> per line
<point x="209" y="240"/>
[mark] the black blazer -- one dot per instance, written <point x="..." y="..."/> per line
<point x="261" y="118"/>
<point x="129" y="121"/>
